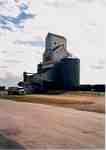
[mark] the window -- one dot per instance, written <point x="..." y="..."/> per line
<point x="55" y="43"/>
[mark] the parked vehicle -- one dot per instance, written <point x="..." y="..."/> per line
<point x="16" y="91"/>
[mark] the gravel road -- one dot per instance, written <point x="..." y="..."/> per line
<point x="36" y="126"/>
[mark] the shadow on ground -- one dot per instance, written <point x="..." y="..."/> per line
<point x="6" y="143"/>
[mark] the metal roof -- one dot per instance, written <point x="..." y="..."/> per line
<point x="55" y="35"/>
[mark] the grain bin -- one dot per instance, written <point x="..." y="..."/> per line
<point x="70" y="73"/>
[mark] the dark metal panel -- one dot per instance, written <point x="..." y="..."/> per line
<point x="70" y="73"/>
<point x="63" y="75"/>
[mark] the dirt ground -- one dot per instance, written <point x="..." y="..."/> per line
<point x="42" y="126"/>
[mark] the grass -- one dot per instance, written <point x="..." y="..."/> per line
<point x="86" y="101"/>
<point x="49" y="99"/>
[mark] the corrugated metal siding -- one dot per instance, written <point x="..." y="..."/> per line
<point x="70" y="73"/>
<point x="65" y="74"/>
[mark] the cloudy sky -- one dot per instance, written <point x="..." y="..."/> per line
<point x="25" y="23"/>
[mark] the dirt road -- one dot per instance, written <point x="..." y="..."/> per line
<point x="42" y="126"/>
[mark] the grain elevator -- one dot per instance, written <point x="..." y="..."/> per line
<point x="58" y="69"/>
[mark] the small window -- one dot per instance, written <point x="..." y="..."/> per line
<point x="55" y="43"/>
